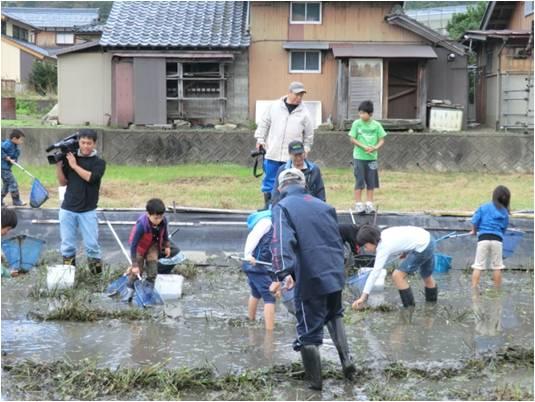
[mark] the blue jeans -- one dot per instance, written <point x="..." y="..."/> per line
<point x="423" y="261"/>
<point x="270" y="171"/>
<point x="87" y="222"/>
<point x="9" y="183"/>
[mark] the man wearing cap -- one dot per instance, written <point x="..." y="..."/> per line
<point x="313" y="180"/>
<point x="286" y="120"/>
<point x="307" y="253"/>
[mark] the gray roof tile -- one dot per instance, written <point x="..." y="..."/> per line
<point x="52" y="17"/>
<point x="177" y="24"/>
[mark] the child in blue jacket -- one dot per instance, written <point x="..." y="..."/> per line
<point x="10" y="154"/>
<point x="490" y="223"/>
<point x="257" y="248"/>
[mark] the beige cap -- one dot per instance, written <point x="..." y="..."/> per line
<point x="291" y="174"/>
<point x="296" y="87"/>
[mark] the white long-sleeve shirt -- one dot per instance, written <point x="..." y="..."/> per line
<point x="259" y="230"/>
<point x="396" y="240"/>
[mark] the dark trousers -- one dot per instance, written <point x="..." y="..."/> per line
<point x="313" y="314"/>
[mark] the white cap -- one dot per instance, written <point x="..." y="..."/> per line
<point x="296" y="87"/>
<point x="291" y="174"/>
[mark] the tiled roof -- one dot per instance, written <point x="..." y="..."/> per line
<point x="52" y="17"/>
<point x="177" y="24"/>
<point x="90" y="28"/>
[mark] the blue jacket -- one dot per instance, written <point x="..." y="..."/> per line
<point x="262" y="251"/>
<point x="491" y="220"/>
<point x="314" y="182"/>
<point x="9" y="149"/>
<point x="306" y="242"/>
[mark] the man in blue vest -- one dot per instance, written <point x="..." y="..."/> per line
<point x="308" y="254"/>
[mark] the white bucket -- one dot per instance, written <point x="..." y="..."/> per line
<point x="169" y="286"/>
<point x="379" y="284"/>
<point x="60" y="277"/>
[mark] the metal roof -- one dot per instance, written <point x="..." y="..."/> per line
<point x="31" y="46"/>
<point x="384" y="50"/>
<point x="398" y="17"/>
<point x="205" y="24"/>
<point x="52" y="17"/>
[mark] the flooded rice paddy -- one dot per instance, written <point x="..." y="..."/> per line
<point x="84" y="345"/>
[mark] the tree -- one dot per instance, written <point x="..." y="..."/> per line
<point x="471" y="19"/>
<point x="44" y="77"/>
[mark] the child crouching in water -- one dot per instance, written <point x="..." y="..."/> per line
<point x="490" y="222"/>
<point x="148" y="236"/>
<point x="257" y="248"/>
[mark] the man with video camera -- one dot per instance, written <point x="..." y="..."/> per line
<point x="286" y="120"/>
<point x="81" y="171"/>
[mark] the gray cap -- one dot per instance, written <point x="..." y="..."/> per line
<point x="291" y="174"/>
<point x="296" y="87"/>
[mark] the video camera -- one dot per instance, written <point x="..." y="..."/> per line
<point x="64" y="146"/>
<point x="258" y="152"/>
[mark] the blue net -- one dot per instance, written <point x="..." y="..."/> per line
<point x="38" y="194"/>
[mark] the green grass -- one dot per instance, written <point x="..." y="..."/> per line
<point x="233" y="186"/>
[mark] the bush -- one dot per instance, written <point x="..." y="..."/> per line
<point x="44" y="77"/>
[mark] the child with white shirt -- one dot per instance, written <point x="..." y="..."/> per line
<point x="410" y="242"/>
<point x="258" y="248"/>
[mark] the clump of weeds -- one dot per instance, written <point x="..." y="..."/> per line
<point x="188" y="270"/>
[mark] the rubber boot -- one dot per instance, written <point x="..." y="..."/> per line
<point x="3" y="203"/>
<point x="69" y="260"/>
<point x="95" y="265"/>
<point x="151" y="270"/>
<point x="431" y="294"/>
<point x="17" y="202"/>
<point x="407" y="298"/>
<point x="267" y="200"/>
<point x="310" y="355"/>
<point x="338" y="335"/>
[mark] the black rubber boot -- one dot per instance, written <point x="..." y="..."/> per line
<point x="69" y="260"/>
<point x="17" y="202"/>
<point x="431" y="294"/>
<point x="310" y="355"/>
<point x="407" y="298"/>
<point x="338" y="335"/>
<point x="95" y="265"/>
<point x="267" y="200"/>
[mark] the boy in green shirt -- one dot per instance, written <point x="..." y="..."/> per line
<point x="367" y="136"/>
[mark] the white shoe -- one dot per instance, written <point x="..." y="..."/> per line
<point x="370" y="209"/>
<point x="359" y="208"/>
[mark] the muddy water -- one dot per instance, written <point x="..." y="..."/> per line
<point x="208" y="327"/>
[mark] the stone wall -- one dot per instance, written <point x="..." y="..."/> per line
<point x="482" y="152"/>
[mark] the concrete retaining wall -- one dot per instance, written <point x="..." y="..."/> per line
<point x="482" y="152"/>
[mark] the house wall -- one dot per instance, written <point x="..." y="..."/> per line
<point x="26" y="63"/>
<point x="518" y="21"/>
<point x="46" y="39"/>
<point x="341" y="22"/>
<point x="510" y="64"/>
<point x="84" y="88"/>
<point x="238" y="88"/>
<point x="10" y="62"/>
<point x="453" y="82"/>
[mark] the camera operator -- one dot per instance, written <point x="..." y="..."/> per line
<point x="286" y="120"/>
<point x="81" y="172"/>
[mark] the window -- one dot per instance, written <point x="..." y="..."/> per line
<point x="305" y="62"/>
<point x="305" y="12"/>
<point x="528" y="8"/>
<point x="64" y="38"/>
<point x="20" y="33"/>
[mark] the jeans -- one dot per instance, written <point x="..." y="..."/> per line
<point x="270" y="171"/>
<point x="423" y="261"/>
<point x="87" y="222"/>
<point x="9" y="183"/>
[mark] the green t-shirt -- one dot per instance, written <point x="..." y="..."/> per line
<point x="367" y="133"/>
